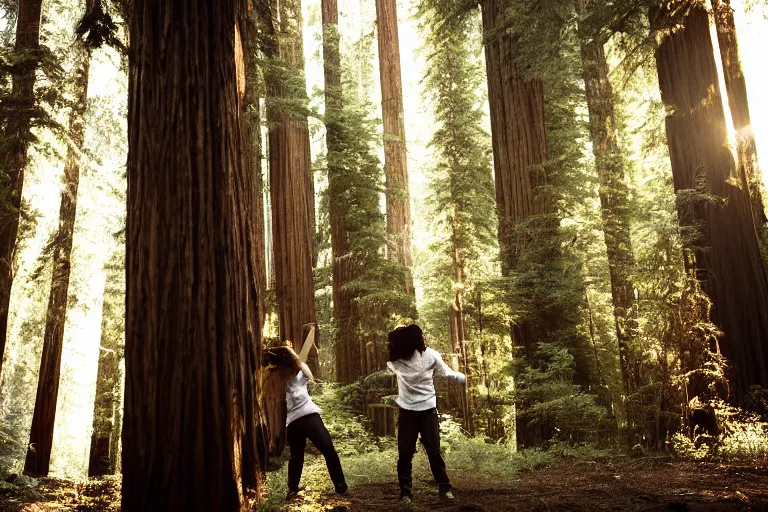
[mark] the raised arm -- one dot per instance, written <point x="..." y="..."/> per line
<point x="307" y="372"/>
<point x="443" y="369"/>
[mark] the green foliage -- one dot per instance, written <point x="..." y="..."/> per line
<point x="550" y="406"/>
<point x="354" y="177"/>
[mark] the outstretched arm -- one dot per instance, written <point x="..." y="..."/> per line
<point x="443" y="369"/>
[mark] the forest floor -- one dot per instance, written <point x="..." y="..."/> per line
<point x="644" y="484"/>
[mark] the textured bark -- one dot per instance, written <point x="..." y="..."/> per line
<point x="16" y="136"/>
<point x="291" y="184"/>
<point x="614" y="199"/>
<point x="727" y="257"/>
<point x="736" y="87"/>
<point x="109" y="378"/>
<point x="395" y="158"/>
<point x="252" y="113"/>
<point x="348" y="351"/>
<point x="41" y="435"/>
<point x="192" y="320"/>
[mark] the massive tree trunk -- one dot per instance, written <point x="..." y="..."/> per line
<point x="291" y="184"/>
<point x="395" y="160"/>
<point x="192" y="324"/>
<point x="614" y="198"/>
<point x="41" y="436"/>
<point x="519" y="143"/>
<point x="109" y="378"/>
<point x="725" y="249"/>
<point x="17" y="112"/>
<point x="736" y="87"/>
<point x="348" y="353"/>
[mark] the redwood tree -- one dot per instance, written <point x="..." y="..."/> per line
<point x="192" y="324"/>
<point x="614" y="194"/>
<point x="107" y="407"/>
<point x="291" y="184"/>
<point x="41" y="435"/>
<point x="395" y="158"/>
<point x="17" y="114"/>
<point x="713" y="208"/>
<point x="527" y="191"/>
<point x="736" y="87"/>
<point x="348" y="353"/>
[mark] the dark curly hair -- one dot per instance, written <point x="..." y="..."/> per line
<point x="404" y="341"/>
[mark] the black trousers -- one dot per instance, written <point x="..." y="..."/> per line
<point x="409" y="426"/>
<point x="312" y="427"/>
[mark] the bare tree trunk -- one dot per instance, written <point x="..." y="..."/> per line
<point x="106" y="417"/>
<point x="736" y="87"/>
<point x="291" y="183"/>
<point x="727" y="257"/>
<point x="17" y="111"/>
<point x="395" y="158"/>
<point x="348" y="349"/>
<point x="192" y="324"/>
<point x="614" y="200"/>
<point x="41" y="436"/>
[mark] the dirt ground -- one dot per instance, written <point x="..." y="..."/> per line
<point x="640" y="485"/>
<point x="637" y="485"/>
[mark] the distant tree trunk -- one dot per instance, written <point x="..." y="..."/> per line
<point x="348" y="350"/>
<point x="736" y="86"/>
<point x="395" y="158"/>
<point x="291" y="184"/>
<point x="614" y="199"/>
<point x="727" y="258"/>
<point x="252" y="114"/>
<point x="192" y="325"/>
<point x="41" y="436"/>
<point x="17" y="113"/>
<point x="106" y="409"/>
<point x="458" y="331"/>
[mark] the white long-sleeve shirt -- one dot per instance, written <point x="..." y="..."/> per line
<point x="297" y="396"/>
<point x="415" y="379"/>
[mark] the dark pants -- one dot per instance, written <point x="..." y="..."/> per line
<point x="312" y="427"/>
<point x="409" y="426"/>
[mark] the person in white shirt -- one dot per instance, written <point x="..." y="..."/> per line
<point x="415" y="365"/>
<point x="303" y="419"/>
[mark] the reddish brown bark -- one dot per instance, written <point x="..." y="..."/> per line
<point x="16" y="135"/>
<point x="192" y="324"/>
<point x="614" y="198"/>
<point x="41" y="435"/>
<point x="519" y="143"/>
<point x="725" y="252"/>
<point x="736" y="87"/>
<point x="395" y="158"/>
<point x="291" y="183"/>
<point x="348" y="350"/>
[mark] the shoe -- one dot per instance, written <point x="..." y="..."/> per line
<point x="446" y="496"/>
<point x="292" y="495"/>
<point x="342" y="490"/>
<point x="406" y="501"/>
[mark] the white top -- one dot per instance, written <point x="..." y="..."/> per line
<point x="415" y="384"/>
<point x="297" y="396"/>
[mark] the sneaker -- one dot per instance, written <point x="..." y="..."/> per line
<point x="406" y="501"/>
<point x="292" y="495"/>
<point x="342" y="489"/>
<point x="447" y="496"/>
